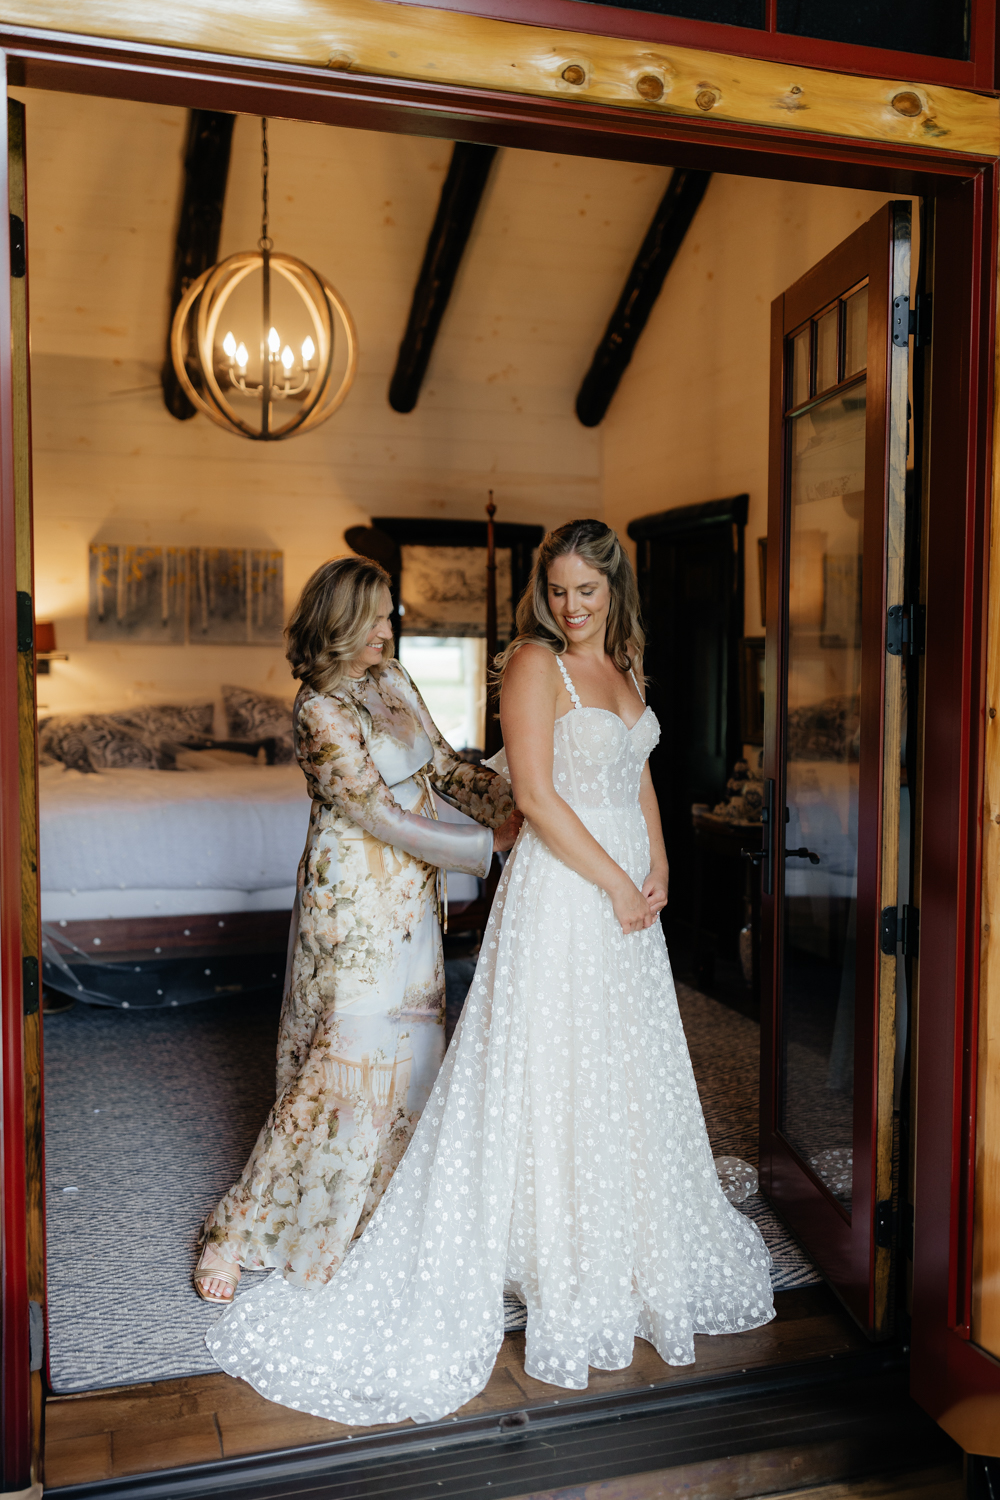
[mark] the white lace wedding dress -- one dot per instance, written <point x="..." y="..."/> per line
<point x="562" y="1155"/>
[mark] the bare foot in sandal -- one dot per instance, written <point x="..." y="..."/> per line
<point x="220" y="1287"/>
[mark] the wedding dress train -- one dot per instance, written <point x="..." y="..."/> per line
<point x="562" y="1155"/>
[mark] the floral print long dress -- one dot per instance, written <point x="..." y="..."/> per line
<point x="361" y="1035"/>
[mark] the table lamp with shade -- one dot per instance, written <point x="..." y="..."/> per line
<point x="45" y="646"/>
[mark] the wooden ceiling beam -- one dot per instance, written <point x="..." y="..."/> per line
<point x="460" y="195"/>
<point x="206" y="170"/>
<point x="664" y="238"/>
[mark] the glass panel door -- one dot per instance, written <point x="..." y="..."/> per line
<point x="826" y="493"/>
<point x="838" y="471"/>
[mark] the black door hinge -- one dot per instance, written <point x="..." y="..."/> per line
<point x="883" y="1224"/>
<point x="900" y="928"/>
<point x="911" y="322"/>
<point x="29" y="985"/>
<point x="25" y="622"/>
<point x="36" y="1336"/>
<point x="904" y="628"/>
<point x="887" y="929"/>
<point x="18" y="255"/>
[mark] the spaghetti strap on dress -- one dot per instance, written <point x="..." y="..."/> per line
<point x="567" y="679"/>
<point x="575" y="696"/>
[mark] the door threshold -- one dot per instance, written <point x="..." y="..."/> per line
<point x="844" y="1416"/>
<point x="810" y="1371"/>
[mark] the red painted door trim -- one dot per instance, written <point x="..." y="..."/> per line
<point x="14" y="1384"/>
<point x="963" y="351"/>
<point x="174" y="76"/>
<point x="950" y="1376"/>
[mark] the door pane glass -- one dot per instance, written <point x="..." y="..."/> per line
<point x="801" y="366"/>
<point x="728" y="12"/>
<point x="856" y="333"/>
<point x="826" y="509"/>
<point x="826" y="349"/>
<point x="937" y="28"/>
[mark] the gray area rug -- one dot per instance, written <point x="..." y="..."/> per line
<point x="150" y="1116"/>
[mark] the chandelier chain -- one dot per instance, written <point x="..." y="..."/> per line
<point x="265" y="242"/>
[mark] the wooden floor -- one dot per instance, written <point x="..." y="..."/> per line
<point x="166" y="1424"/>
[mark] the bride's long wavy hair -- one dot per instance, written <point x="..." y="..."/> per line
<point x="599" y="547"/>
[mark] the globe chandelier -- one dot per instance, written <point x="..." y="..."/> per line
<point x="253" y="340"/>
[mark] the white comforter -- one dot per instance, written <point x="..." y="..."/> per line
<point x="224" y="829"/>
<point x="146" y="843"/>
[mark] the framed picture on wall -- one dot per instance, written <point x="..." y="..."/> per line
<point x="237" y="596"/>
<point x="137" y="594"/>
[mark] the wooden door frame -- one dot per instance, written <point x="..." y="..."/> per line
<point x="965" y="184"/>
<point x="954" y="1380"/>
<point x="978" y="72"/>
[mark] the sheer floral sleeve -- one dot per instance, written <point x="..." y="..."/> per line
<point x="331" y="750"/>
<point x="474" y="790"/>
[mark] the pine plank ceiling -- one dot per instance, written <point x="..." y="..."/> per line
<point x="552" y="243"/>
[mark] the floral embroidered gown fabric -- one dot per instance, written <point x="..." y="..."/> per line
<point x="563" y="1155"/>
<point x="361" y="1035"/>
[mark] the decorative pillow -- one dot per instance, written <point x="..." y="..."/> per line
<point x="140" y="738"/>
<point x="93" y="742"/>
<point x="252" y="715"/>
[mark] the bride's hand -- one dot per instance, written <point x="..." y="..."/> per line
<point x="632" y="909"/>
<point x="654" y="888"/>
<point x="506" y="834"/>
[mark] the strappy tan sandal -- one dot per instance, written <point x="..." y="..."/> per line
<point x="216" y="1273"/>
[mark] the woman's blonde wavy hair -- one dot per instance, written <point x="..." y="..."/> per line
<point x="599" y="547"/>
<point x="333" y="619"/>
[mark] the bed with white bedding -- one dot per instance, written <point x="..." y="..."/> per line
<point x="120" y="844"/>
<point x="168" y="857"/>
<point x="163" y="887"/>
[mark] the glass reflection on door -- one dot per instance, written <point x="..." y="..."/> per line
<point x="825" y="510"/>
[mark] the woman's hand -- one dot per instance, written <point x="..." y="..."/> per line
<point x="654" y="888"/>
<point x="505" y="835"/>
<point x="631" y="908"/>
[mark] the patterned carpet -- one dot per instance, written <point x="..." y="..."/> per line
<point x="150" y="1116"/>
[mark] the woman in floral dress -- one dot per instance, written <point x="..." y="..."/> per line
<point x="361" y="1035"/>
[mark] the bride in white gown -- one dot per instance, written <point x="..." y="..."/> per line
<point x="563" y="1154"/>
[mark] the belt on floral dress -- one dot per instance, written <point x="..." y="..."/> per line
<point x="441" y="881"/>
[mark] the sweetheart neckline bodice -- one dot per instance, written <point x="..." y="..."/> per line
<point x="593" y="709"/>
